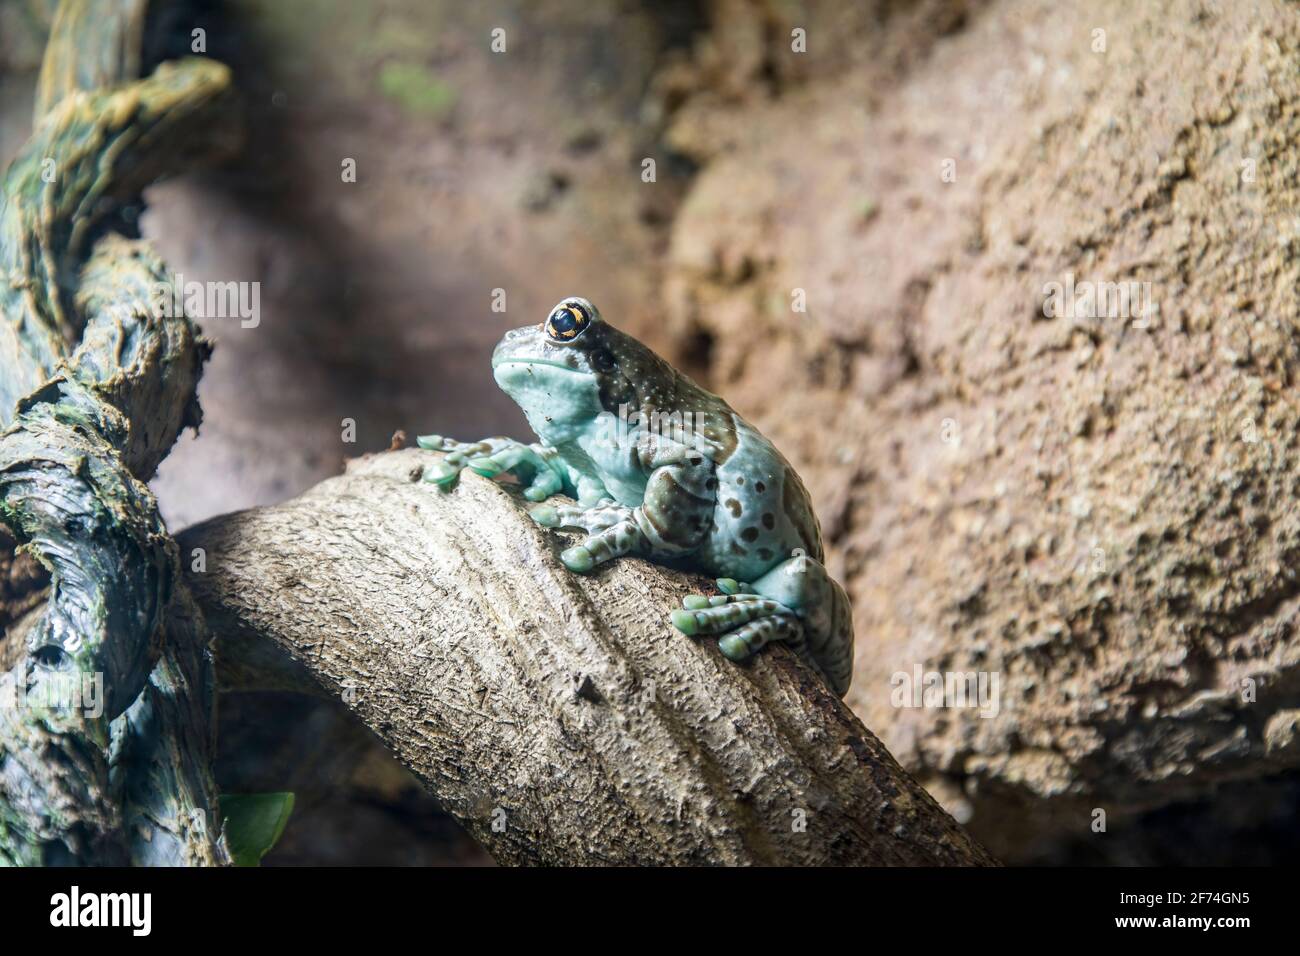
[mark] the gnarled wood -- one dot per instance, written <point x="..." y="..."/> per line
<point x="559" y="717"/>
<point x="83" y="425"/>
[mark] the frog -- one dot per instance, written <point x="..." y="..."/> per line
<point x="646" y="463"/>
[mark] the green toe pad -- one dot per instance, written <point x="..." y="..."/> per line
<point x="545" y="515"/>
<point x="733" y="648"/>
<point x="439" y="474"/>
<point x="684" y="621"/>
<point x="577" y="559"/>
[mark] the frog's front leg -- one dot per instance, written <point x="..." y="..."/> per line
<point x="538" y="468"/>
<point x="672" y="519"/>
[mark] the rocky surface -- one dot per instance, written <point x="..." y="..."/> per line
<point x="1099" y="510"/>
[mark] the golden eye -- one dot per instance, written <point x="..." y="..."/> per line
<point x="566" y="322"/>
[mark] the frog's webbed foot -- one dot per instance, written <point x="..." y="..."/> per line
<point x="748" y="622"/>
<point x="491" y="458"/>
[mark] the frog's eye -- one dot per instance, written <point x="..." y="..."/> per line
<point x="567" y="322"/>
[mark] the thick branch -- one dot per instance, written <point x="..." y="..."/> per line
<point x="559" y="717"/>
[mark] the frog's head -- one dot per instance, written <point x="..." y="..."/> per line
<point x="574" y="366"/>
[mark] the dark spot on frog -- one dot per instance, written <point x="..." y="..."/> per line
<point x="737" y="549"/>
<point x="734" y="507"/>
<point x="760" y="487"/>
<point x="711" y="484"/>
<point x="740" y="479"/>
<point x="765" y="554"/>
<point x="769" y="521"/>
<point x="750" y="534"/>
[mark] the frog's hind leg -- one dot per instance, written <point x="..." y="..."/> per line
<point x="803" y="585"/>
<point x="806" y="609"/>
<point x="830" y="635"/>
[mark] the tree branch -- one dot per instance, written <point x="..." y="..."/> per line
<point x="559" y="717"/>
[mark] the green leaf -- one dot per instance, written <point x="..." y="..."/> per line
<point x="253" y="823"/>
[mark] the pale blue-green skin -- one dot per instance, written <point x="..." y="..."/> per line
<point x="706" y="493"/>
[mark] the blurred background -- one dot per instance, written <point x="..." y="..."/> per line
<point x="1068" y="502"/>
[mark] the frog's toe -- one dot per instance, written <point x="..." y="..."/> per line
<point x="430" y="442"/>
<point x="697" y="602"/>
<point x="578" y="558"/>
<point x="733" y="647"/>
<point x="752" y="637"/>
<point x="732" y="586"/>
<point x="440" y="473"/>
<point x="545" y="515"/>
<point x="685" y="622"/>
<point x="544" y="484"/>
<point x="559" y="516"/>
<point x="716" y="618"/>
<point x="485" y="466"/>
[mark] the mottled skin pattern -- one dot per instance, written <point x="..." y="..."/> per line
<point x="663" y="469"/>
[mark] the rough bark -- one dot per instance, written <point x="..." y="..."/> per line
<point x="559" y="717"/>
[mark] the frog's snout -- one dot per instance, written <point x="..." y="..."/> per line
<point x="515" y="344"/>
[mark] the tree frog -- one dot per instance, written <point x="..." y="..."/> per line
<point x="663" y="469"/>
